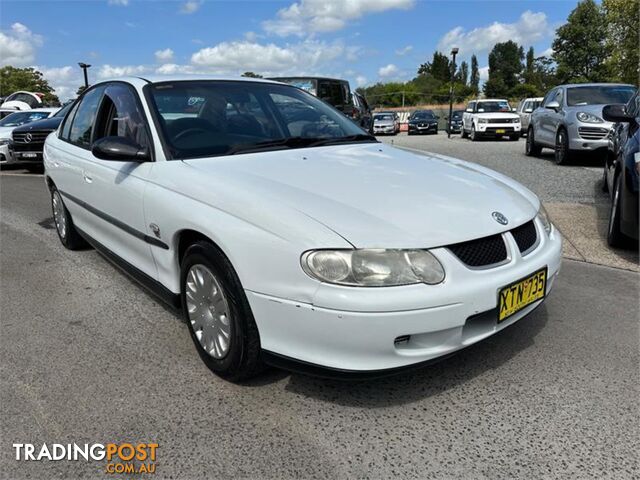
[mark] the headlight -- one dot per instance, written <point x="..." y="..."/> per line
<point x="5" y="141"/>
<point x="515" y="120"/>
<point x="544" y="218"/>
<point x="373" y="268"/>
<point x="482" y="120"/>
<point x="588" y="117"/>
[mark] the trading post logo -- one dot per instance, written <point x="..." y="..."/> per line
<point x="128" y="458"/>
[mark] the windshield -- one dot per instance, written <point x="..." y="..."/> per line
<point x="423" y="116"/>
<point x="457" y="114"/>
<point x="599" y="95"/>
<point x="212" y="118"/>
<point x="385" y="117"/>
<point x="20" y="118"/>
<point x="497" y="106"/>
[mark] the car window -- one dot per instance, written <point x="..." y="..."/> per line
<point x="547" y="98"/>
<point x="26" y="98"/>
<point x="82" y="124"/>
<point x="495" y="106"/>
<point x="63" y="111"/>
<point x="66" y="126"/>
<point x="599" y="95"/>
<point x="633" y="107"/>
<point x="471" y="106"/>
<point x="559" y="96"/>
<point x="22" y="118"/>
<point x="385" y="116"/>
<point x="238" y="116"/>
<point x="121" y="116"/>
<point x="334" y="93"/>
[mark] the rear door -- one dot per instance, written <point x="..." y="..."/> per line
<point x="115" y="189"/>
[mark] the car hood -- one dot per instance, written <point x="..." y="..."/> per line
<point x="377" y="196"/>
<point x="490" y="115"/>
<point x="44" y="124"/>
<point x="383" y="123"/>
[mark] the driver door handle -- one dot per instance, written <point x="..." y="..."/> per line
<point x="87" y="178"/>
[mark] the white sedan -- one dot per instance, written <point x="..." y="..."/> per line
<point x="287" y="235"/>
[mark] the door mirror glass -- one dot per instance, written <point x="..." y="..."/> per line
<point x="553" y="105"/>
<point x="616" y="113"/>
<point x="528" y="110"/>
<point x="120" y="149"/>
<point x="469" y="110"/>
<point x="480" y="110"/>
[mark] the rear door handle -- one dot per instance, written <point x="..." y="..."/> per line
<point x="87" y="178"/>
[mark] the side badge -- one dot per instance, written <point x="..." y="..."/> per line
<point x="155" y="229"/>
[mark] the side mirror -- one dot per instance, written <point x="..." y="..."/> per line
<point x="514" y="109"/>
<point x="553" y="105"/>
<point x="616" y="113"/>
<point x="480" y="110"/>
<point x="528" y="110"/>
<point x="469" y="110"/>
<point x="120" y="149"/>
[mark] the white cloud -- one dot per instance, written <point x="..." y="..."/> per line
<point x="530" y="28"/>
<point x="269" y="59"/>
<point x="547" y="53"/>
<point x="361" y="81"/>
<point x="64" y="80"/>
<point x="18" y="46"/>
<point x="165" y="55"/>
<point x="190" y="7"/>
<point x="120" y="3"/>
<point x="403" y="51"/>
<point x="315" y="16"/>
<point x="388" y="71"/>
<point x="109" y="71"/>
<point x="484" y="73"/>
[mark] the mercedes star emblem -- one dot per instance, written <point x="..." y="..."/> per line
<point x="28" y="137"/>
<point x="500" y="218"/>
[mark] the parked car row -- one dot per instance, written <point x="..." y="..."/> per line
<point x="15" y="120"/>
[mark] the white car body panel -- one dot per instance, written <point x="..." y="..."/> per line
<point x="263" y="210"/>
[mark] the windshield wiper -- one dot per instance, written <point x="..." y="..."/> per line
<point x="296" y="142"/>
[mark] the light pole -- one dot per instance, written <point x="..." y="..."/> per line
<point x="454" y="52"/>
<point x="84" y="68"/>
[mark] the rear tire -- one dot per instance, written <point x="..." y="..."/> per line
<point x="562" y="152"/>
<point x="67" y="233"/>
<point x="531" y="148"/>
<point x="206" y="275"/>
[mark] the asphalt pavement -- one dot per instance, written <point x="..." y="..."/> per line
<point x="87" y="356"/>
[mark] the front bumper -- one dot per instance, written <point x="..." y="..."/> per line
<point x="25" y="157"/>
<point x="498" y="129"/>
<point x="385" y="129"/>
<point x="423" y="129"/>
<point x="588" y="137"/>
<point x="357" y="329"/>
<point x="5" y="154"/>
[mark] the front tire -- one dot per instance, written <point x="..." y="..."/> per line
<point x="562" y="152"/>
<point x="463" y="133"/>
<point x="67" y="233"/>
<point x="474" y="135"/>
<point x="615" y="238"/>
<point x="218" y="314"/>
<point x="531" y="148"/>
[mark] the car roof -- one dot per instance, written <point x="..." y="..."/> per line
<point x="492" y="100"/>
<point x="181" y="78"/>
<point x="603" y="84"/>
<point x="533" y="99"/>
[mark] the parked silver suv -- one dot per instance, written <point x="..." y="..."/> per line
<point x="570" y="119"/>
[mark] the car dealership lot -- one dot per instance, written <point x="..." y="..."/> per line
<point x="88" y="356"/>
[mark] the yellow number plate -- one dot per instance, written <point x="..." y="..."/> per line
<point x="500" y="131"/>
<point x="518" y="295"/>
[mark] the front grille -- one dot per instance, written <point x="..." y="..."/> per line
<point x="481" y="252"/>
<point x="593" y="133"/>
<point x="500" y="120"/>
<point x="525" y="236"/>
<point x="36" y="137"/>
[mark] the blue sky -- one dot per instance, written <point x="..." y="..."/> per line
<point x="364" y="41"/>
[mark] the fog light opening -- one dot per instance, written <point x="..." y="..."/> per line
<point x="401" y="340"/>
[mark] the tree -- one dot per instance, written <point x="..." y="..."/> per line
<point x="474" y="81"/>
<point x="463" y="73"/>
<point x="505" y="67"/>
<point x="81" y="89"/>
<point x="251" y="75"/>
<point x="623" y="34"/>
<point x="529" y="67"/>
<point x="579" y="47"/>
<point x="439" y="68"/>
<point x="13" y="79"/>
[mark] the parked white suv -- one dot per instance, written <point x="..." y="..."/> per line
<point x="288" y="235"/>
<point x="490" y="118"/>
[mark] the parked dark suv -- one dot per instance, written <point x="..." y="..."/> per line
<point x="621" y="171"/>
<point x="362" y="113"/>
<point x="27" y="141"/>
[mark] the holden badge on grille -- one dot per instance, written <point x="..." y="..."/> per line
<point x="500" y="218"/>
